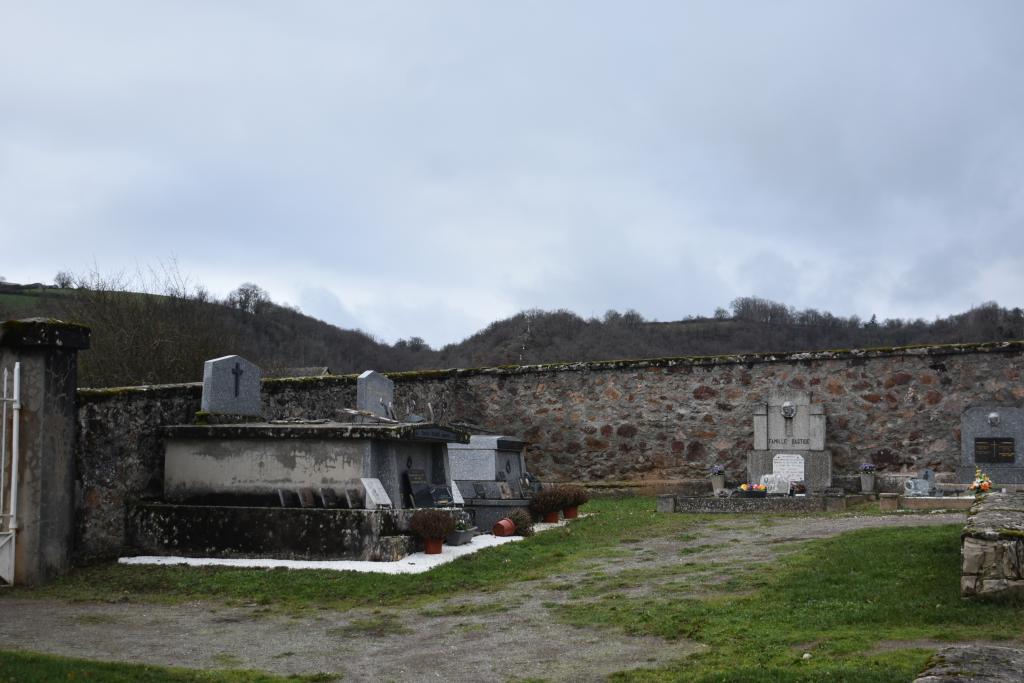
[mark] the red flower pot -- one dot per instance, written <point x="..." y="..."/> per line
<point x="433" y="545"/>
<point x="504" y="527"/>
<point x="571" y="512"/>
<point x="551" y="517"/>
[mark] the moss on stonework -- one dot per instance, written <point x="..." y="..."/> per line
<point x="91" y="395"/>
<point x="1016" y="533"/>
<point x="749" y="360"/>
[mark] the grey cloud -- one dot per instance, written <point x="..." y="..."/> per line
<point x="476" y="159"/>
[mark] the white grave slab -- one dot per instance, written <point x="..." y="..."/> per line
<point x="376" y="496"/>
<point x="789" y="465"/>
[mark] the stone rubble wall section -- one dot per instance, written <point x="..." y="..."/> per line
<point x="660" y="420"/>
<point x="992" y="547"/>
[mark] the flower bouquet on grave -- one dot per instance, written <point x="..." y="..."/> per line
<point x="753" y="490"/>
<point x="981" y="484"/>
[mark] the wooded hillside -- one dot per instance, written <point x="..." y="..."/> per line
<point x="165" y="334"/>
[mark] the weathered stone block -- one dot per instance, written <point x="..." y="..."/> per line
<point x="666" y="503"/>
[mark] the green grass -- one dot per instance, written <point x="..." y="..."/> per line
<point x="24" y="667"/>
<point x="834" y="598"/>
<point x="543" y="555"/>
<point x="843" y="595"/>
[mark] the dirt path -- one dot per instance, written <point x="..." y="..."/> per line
<point x="460" y="639"/>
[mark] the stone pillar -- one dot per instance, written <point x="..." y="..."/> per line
<point x="48" y="353"/>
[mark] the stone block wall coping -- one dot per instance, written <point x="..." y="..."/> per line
<point x="44" y="332"/>
<point x="421" y="431"/>
<point x="996" y="515"/>
<point x="272" y="385"/>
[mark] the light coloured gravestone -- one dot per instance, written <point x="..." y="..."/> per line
<point x="789" y="466"/>
<point x="776" y="484"/>
<point x="376" y="497"/>
<point x="375" y="394"/>
<point x="231" y="386"/>
<point x="789" y="424"/>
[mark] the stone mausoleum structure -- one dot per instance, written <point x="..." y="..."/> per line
<point x="295" y="489"/>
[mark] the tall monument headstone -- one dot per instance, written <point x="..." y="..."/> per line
<point x="375" y="394"/>
<point x="992" y="438"/>
<point x="231" y="386"/>
<point x="789" y="440"/>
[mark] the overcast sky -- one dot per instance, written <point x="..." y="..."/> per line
<point x="424" y="168"/>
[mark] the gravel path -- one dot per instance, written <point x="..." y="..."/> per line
<point x="459" y="639"/>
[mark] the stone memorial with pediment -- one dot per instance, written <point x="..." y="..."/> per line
<point x="789" y="441"/>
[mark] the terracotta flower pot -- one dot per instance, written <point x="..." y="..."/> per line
<point x="551" y="517"/>
<point x="432" y="546"/>
<point x="571" y="512"/>
<point x="504" y="527"/>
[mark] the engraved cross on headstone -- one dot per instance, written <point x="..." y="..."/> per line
<point x="237" y="372"/>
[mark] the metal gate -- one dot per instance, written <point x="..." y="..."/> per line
<point x="10" y="412"/>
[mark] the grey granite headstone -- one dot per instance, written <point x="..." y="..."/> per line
<point x="231" y="386"/>
<point x="457" y="498"/>
<point x="992" y="438"/>
<point x="921" y="486"/>
<point x="375" y="394"/>
<point x="376" y="497"/>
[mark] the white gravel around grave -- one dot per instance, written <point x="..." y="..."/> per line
<point x="416" y="563"/>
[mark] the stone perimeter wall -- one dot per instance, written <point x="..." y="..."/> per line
<point x="992" y="548"/>
<point x="648" y="421"/>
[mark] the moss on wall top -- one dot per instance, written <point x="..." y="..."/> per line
<point x="279" y="384"/>
<point x="44" y="332"/>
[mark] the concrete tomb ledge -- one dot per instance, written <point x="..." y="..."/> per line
<point x="420" y="431"/>
<point x="281" y="533"/>
<point x="992" y="548"/>
<point x="978" y="663"/>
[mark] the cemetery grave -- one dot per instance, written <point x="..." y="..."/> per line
<point x="237" y="486"/>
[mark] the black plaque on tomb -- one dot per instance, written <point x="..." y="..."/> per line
<point x="329" y="498"/>
<point x="994" y="450"/>
<point x="288" y="499"/>
<point x="480" y="489"/>
<point x="419" y="489"/>
<point x="307" y="497"/>
<point x="441" y="496"/>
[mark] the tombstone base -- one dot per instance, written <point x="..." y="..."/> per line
<point x="817" y="467"/>
<point x="999" y="474"/>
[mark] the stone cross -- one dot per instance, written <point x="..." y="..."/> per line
<point x="237" y="372"/>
